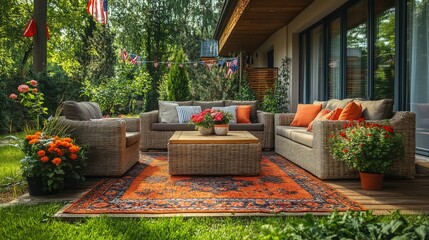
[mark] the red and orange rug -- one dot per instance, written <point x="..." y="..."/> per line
<point x="148" y="189"/>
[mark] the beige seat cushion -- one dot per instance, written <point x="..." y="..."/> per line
<point x="296" y="134"/>
<point x="131" y="138"/>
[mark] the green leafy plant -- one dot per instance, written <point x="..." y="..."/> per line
<point x="367" y="147"/>
<point x="269" y="101"/>
<point x="32" y="99"/>
<point x="52" y="158"/>
<point x="176" y="82"/>
<point x="276" y="99"/>
<point x="349" y="225"/>
<point x="245" y="92"/>
<point x="281" y="88"/>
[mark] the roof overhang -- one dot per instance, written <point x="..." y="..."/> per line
<point x="245" y="24"/>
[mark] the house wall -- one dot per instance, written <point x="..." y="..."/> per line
<point x="285" y="42"/>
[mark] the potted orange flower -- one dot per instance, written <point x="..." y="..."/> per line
<point x="49" y="160"/>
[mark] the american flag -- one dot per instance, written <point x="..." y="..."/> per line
<point x="124" y="55"/>
<point x="98" y="9"/>
<point x="134" y="59"/>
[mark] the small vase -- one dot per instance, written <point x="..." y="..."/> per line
<point x="221" y="129"/>
<point x="35" y="187"/>
<point x="205" y="131"/>
<point x="371" y="181"/>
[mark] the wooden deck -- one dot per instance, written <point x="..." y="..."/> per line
<point x="409" y="196"/>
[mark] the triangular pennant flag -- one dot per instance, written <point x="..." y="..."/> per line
<point x="181" y="65"/>
<point x="155" y="64"/>
<point x="30" y="28"/>
<point x="202" y="63"/>
<point x="124" y="55"/>
<point x="210" y="65"/>
<point x="169" y="64"/>
<point x="196" y="64"/>
<point x="235" y="61"/>
<point x="143" y="62"/>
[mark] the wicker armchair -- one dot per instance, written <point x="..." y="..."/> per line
<point x="113" y="144"/>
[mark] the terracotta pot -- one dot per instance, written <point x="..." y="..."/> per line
<point x="221" y="129"/>
<point x="371" y="181"/>
<point x="205" y="131"/>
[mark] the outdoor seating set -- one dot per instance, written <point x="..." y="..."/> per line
<point x="114" y="143"/>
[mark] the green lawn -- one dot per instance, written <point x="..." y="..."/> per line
<point x="11" y="184"/>
<point x="35" y="222"/>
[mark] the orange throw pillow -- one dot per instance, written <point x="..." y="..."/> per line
<point x="333" y="115"/>
<point x="243" y="113"/>
<point x="352" y="111"/>
<point x="305" y="114"/>
<point x="319" y="116"/>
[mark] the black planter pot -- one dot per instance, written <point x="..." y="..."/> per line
<point x="35" y="187"/>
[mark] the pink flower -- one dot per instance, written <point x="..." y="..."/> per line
<point x="34" y="90"/>
<point x="13" y="96"/>
<point x="33" y="83"/>
<point x="23" y="88"/>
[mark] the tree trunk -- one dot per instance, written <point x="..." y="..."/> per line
<point x="39" y="40"/>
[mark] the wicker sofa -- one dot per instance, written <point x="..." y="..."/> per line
<point x="113" y="144"/>
<point x="155" y="134"/>
<point x="310" y="150"/>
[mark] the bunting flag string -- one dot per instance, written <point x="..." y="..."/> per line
<point x="230" y="63"/>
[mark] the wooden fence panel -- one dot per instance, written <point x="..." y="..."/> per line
<point x="261" y="79"/>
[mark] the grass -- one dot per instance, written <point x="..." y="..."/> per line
<point x="34" y="222"/>
<point x="11" y="181"/>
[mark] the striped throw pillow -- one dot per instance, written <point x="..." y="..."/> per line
<point x="185" y="112"/>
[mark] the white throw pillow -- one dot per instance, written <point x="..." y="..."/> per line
<point x="185" y="112"/>
<point x="230" y="109"/>
<point x="168" y="112"/>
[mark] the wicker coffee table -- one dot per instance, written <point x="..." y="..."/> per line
<point x="190" y="153"/>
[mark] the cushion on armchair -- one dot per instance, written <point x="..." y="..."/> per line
<point x="81" y="111"/>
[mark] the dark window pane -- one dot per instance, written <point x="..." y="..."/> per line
<point x="357" y="51"/>
<point x="316" y="63"/>
<point x="334" y="64"/>
<point x="384" y="69"/>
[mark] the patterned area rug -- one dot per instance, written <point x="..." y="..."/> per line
<point x="148" y="189"/>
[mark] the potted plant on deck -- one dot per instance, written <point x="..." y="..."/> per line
<point x="50" y="161"/>
<point x="369" y="148"/>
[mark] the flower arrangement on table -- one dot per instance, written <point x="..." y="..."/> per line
<point x="54" y="159"/>
<point x="208" y="118"/>
<point x="367" y="147"/>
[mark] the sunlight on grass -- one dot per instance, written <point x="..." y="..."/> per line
<point x="11" y="181"/>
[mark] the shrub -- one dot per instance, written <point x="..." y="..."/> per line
<point x="350" y="225"/>
<point x="176" y="84"/>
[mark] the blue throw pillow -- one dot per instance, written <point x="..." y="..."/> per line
<point x="230" y="109"/>
<point x="185" y="112"/>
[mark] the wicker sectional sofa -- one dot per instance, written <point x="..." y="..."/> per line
<point x="155" y="134"/>
<point x="310" y="150"/>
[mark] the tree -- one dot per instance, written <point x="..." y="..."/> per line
<point x="39" y="40"/>
<point x="177" y="83"/>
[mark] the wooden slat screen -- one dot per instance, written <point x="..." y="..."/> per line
<point x="261" y="79"/>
